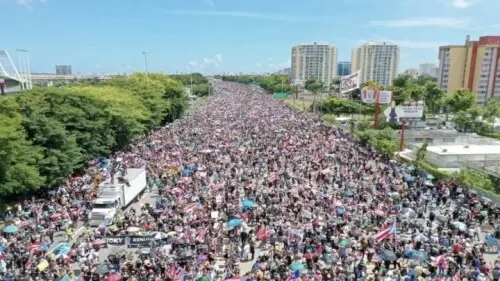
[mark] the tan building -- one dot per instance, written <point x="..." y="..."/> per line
<point x="378" y="62"/>
<point x="473" y="66"/>
<point x="314" y="61"/>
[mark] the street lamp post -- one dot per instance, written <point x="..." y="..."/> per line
<point x="145" y="53"/>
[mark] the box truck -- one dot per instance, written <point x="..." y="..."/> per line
<point x="116" y="195"/>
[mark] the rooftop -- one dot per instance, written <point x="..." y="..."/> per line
<point x="465" y="150"/>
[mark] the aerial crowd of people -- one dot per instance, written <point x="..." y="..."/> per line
<point x="248" y="188"/>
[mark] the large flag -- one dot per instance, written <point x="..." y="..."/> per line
<point x="262" y="233"/>
<point x="191" y="207"/>
<point x="200" y="235"/>
<point x="386" y="232"/>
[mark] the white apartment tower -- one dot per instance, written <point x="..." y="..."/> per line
<point x="378" y="62"/>
<point x="314" y="61"/>
<point x="428" y="69"/>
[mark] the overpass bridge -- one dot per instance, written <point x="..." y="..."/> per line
<point x="55" y="77"/>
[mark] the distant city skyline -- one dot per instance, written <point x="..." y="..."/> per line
<point x="230" y="36"/>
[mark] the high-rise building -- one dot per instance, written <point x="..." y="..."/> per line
<point x="473" y="66"/>
<point x="428" y="69"/>
<point x="63" y="69"/>
<point x="378" y="62"/>
<point x="412" y="72"/>
<point x="314" y="61"/>
<point x="343" y="68"/>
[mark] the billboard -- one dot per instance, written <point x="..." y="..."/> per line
<point x="369" y="95"/>
<point x="349" y="83"/>
<point x="411" y="111"/>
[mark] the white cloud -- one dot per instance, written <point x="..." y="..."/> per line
<point x="423" y="22"/>
<point x="193" y="64"/>
<point x="247" y="15"/>
<point x="28" y="4"/>
<point x="259" y="65"/>
<point x="213" y="60"/>
<point x="209" y="3"/>
<point x="462" y="4"/>
<point x="409" y="44"/>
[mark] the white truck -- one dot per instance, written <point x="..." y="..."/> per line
<point x="116" y="196"/>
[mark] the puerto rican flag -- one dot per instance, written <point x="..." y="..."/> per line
<point x="191" y="207"/>
<point x="187" y="235"/>
<point x="262" y="233"/>
<point x="200" y="235"/>
<point x="457" y="277"/>
<point x="176" y="274"/>
<point x="387" y="232"/>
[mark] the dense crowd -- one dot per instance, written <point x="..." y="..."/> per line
<point x="250" y="189"/>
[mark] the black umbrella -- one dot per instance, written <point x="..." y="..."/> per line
<point x="388" y="255"/>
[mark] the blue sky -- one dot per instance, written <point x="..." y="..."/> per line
<point x="211" y="36"/>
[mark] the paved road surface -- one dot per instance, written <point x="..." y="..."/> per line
<point x="148" y="197"/>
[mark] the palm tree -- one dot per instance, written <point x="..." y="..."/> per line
<point x="335" y="86"/>
<point x="315" y="87"/>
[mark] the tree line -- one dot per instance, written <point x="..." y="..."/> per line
<point x="201" y="85"/>
<point x="274" y="83"/>
<point x="48" y="133"/>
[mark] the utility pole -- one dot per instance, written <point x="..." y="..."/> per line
<point x="191" y="83"/>
<point x="145" y="54"/>
<point x="402" y="140"/>
<point x="295" y="95"/>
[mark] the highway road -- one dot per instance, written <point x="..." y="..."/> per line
<point x="12" y="90"/>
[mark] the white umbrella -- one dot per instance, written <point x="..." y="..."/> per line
<point x="159" y="235"/>
<point x="133" y="229"/>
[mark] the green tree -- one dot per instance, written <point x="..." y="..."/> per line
<point x="477" y="179"/>
<point x="315" y="87"/>
<point x="421" y="153"/>
<point x="460" y="100"/>
<point x="275" y="83"/>
<point x="415" y="92"/>
<point x="491" y="111"/>
<point x="47" y="133"/>
<point x="434" y="95"/>
<point x="339" y="106"/>
<point x="372" y="84"/>
<point x="335" y="86"/>
<point x="152" y="93"/>
<point x="201" y="90"/>
<point x="352" y="127"/>
<point x="382" y="140"/>
<point x="175" y="93"/>
<point x="405" y="88"/>
<point x="469" y="119"/>
<point x="18" y="157"/>
<point x="60" y="151"/>
<point x="186" y="79"/>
